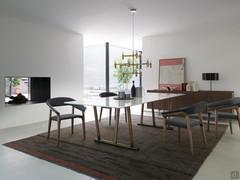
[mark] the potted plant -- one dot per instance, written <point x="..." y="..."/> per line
<point x="15" y="82"/>
<point x="124" y="73"/>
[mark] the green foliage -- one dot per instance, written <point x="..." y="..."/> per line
<point x="124" y="73"/>
<point x="15" y="82"/>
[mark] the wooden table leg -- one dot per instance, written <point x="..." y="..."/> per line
<point x="115" y="142"/>
<point x="130" y="126"/>
<point x="141" y="120"/>
<point x="153" y="119"/>
<point x="153" y="115"/>
<point x="216" y="123"/>
<point x="96" y="122"/>
<point x="238" y="115"/>
<point x="116" y="126"/>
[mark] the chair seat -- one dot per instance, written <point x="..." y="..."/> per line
<point x="181" y="122"/>
<point x="226" y="115"/>
<point x="221" y="115"/>
<point x="195" y="116"/>
<point x="66" y="116"/>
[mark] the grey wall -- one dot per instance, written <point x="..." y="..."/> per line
<point x="28" y="49"/>
<point x="206" y="49"/>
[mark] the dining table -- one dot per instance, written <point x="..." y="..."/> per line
<point x="117" y="104"/>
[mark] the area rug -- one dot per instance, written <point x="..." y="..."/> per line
<point x="154" y="160"/>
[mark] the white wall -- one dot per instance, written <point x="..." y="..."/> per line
<point x="208" y="49"/>
<point x="29" y="49"/>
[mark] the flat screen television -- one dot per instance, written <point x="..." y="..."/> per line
<point x="22" y="90"/>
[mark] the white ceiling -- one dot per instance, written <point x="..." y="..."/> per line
<point x="110" y="20"/>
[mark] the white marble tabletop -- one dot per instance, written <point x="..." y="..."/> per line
<point x="112" y="103"/>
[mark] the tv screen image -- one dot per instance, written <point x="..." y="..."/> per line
<point x="21" y="90"/>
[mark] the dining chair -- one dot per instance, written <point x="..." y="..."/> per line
<point x="58" y="117"/>
<point x="224" y="110"/>
<point x="180" y="118"/>
<point x="109" y="94"/>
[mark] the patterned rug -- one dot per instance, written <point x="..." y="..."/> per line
<point x="154" y="160"/>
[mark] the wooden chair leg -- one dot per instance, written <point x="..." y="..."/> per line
<point x="84" y="129"/>
<point x="49" y="127"/>
<point x="110" y="116"/>
<point x="208" y="122"/>
<point x="230" y="125"/>
<point x="164" y="130"/>
<point x="72" y="122"/>
<point x="179" y="135"/>
<point x="203" y="134"/>
<point x="100" y="117"/>
<point x="49" y="124"/>
<point x="153" y="114"/>
<point x="58" y="129"/>
<point x="189" y="133"/>
<point x="202" y="129"/>
<point x="125" y="109"/>
<point x="190" y="139"/>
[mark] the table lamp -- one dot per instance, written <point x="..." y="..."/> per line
<point x="210" y="77"/>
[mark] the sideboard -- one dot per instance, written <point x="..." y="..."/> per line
<point x="189" y="98"/>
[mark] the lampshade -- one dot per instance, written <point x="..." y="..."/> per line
<point x="210" y="76"/>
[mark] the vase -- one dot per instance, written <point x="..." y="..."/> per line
<point x="123" y="87"/>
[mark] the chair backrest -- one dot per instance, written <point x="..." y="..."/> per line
<point x="107" y="94"/>
<point x="225" y="103"/>
<point x="59" y="101"/>
<point x="196" y="108"/>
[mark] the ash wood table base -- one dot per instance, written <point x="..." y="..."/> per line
<point x="153" y="119"/>
<point x="115" y="141"/>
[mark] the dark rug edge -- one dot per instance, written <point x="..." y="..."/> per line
<point x="64" y="163"/>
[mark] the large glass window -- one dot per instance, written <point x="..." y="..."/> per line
<point x="16" y="85"/>
<point x="95" y="76"/>
<point x="94" y="70"/>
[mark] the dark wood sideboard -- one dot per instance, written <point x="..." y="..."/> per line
<point x="189" y="98"/>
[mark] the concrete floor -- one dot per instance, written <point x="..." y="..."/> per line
<point x="222" y="164"/>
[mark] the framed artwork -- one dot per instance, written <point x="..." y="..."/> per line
<point x="171" y="73"/>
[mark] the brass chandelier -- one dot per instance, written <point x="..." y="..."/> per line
<point x="133" y="60"/>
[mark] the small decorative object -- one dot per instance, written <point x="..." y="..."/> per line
<point x="121" y="94"/>
<point x="169" y="89"/>
<point x="127" y="96"/>
<point x="184" y="86"/>
<point x="210" y="77"/>
<point x="138" y="91"/>
<point x="194" y="86"/>
<point x="133" y="90"/>
<point x="189" y="86"/>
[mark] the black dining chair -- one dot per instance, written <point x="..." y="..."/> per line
<point x="110" y="94"/>
<point x="103" y="95"/>
<point x="180" y="118"/>
<point x="58" y="117"/>
<point x="224" y="110"/>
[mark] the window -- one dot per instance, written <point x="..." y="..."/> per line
<point x="94" y="70"/>
<point x="96" y="77"/>
<point x="15" y="85"/>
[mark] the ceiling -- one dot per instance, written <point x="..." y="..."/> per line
<point x="110" y="20"/>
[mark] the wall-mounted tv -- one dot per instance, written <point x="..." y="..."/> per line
<point x="22" y="90"/>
